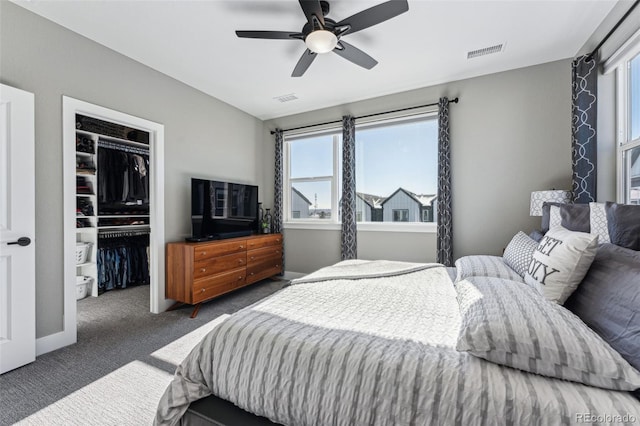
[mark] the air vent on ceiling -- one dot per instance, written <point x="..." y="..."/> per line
<point x="485" y="51"/>
<point x="286" y="98"/>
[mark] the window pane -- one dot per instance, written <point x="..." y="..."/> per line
<point x="396" y="171"/>
<point x="311" y="200"/>
<point x="632" y="175"/>
<point x="634" y="98"/>
<point x="311" y="157"/>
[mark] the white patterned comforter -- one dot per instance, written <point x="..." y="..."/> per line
<point x="371" y="351"/>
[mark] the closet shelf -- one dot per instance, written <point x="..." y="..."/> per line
<point x="113" y="139"/>
<point x="85" y="154"/>
<point x="124" y="227"/>
<point x="117" y="216"/>
<point x="85" y="172"/>
<point x="79" y="265"/>
<point x="86" y="229"/>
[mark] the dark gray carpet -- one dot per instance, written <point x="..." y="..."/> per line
<point x="115" y="330"/>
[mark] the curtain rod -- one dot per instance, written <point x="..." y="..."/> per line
<point x="455" y="101"/>
<point x="613" y="30"/>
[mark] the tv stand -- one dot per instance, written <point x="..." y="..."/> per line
<point x="200" y="271"/>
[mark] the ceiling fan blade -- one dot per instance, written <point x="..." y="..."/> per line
<point x="272" y="35"/>
<point x="304" y="62"/>
<point x="355" y="55"/>
<point x="312" y="8"/>
<point x="374" y="15"/>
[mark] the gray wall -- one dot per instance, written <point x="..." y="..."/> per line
<point x="510" y="135"/>
<point x="203" y="136"/>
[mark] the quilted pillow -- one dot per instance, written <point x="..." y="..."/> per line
<point x="519" y="253"/>
<point x="484" y="266"/>
<point x="560" y="262"/>
<point x="515" y="326"/>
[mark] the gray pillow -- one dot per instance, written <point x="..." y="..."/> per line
<point x="574" y="217"/>
<point x="624" y="224"/>
<point x="608" y="300"/>
<point x="511" y="324"/>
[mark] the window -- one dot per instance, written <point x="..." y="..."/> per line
<point x="311" y="177"/>
<point x="396" y="174"/>
<point x="401" y="215"/>
<point x="628" y="80"/>
<point x="397" y="166"/>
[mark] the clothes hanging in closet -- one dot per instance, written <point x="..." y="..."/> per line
<point x="122" y="262"/>
<point x="123" y="177"/>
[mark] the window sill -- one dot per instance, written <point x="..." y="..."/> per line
<point x="414" y="227"/>
<point x="333" y="226"/>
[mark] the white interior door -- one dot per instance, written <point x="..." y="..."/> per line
<point x="17" y="229"/>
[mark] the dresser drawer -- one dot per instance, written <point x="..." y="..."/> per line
<point x="265" y="270"/>
<point x="264" y="241"/>
<point x="206" y="288"/>
<point x="258" y="255"/>
<point x="216" y="265"/>
<point x="257" y="267"/>
<point x="219" y="249"/>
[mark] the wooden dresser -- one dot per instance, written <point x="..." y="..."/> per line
<point x="198" y="272"/>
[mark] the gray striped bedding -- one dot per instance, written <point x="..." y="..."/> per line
<point x="485" y="266"/>
<point x="371" y="351"/>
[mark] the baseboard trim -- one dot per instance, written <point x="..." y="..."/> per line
<point x="54" y="341"/>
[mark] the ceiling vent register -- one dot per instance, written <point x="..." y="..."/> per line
<point x="485" y="51"/>
<point x="286" y="98"/>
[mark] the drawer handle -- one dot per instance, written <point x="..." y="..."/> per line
<point x="239" y="260"/>
<point x="252" y="258"/>
<point x="278" y="240"/>
<point x="252" y="273"/>
<point x="240" y="278"/>
<point x="202" y="291"/>
<point x="203" y="270"/>
<point x="204" y="253"/>
<point x="277" y="266"/>
<point x="241" y="247"/>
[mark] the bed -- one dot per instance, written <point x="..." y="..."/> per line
<point x="395" y="343"/>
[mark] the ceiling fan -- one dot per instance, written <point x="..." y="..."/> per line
<point x="322" y="35"/>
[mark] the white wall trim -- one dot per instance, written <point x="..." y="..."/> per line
<point x="158" y="303"/>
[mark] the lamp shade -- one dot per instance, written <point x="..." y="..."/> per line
<point x="554" y="195"/>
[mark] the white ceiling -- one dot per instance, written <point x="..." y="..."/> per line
<point x="194" y="42"/>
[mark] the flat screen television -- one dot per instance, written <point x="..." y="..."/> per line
<point x="222" y="209"/>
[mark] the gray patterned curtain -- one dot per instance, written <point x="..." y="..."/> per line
<point x="445" y="228"/>
<point x="584" y="78"/>
<point x="276" y="225"/>
<point x="349" y="231"/>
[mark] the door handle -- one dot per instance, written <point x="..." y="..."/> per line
<point x="22" y="241"/>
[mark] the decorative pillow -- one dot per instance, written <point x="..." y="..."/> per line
<point x="598" y="222"/>
<point x="560" y="262"/>
<point x="484" y="266"/>
<point x="513" y="325"/>
<point x="608" y="300"/>
<point x="574" y="217"/>
<point x="624" y="225"/>
<point x="536" y="235"/>
<point x="519" y="253"/>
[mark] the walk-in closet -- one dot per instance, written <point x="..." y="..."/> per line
<point x="112" y="206"/>
<point x="114" y="238"/>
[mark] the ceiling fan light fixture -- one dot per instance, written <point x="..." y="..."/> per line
<point x="321" y="41"/>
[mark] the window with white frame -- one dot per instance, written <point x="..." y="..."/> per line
<point x="397" y="167"/>
<point x="396" y="172"/>
<point x="628" y="82"/>
<point x="311" y="175"/>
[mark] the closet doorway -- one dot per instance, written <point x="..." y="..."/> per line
<point x="113" y="220"/>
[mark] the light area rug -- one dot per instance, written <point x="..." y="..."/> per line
<point x="127" y="396"/>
